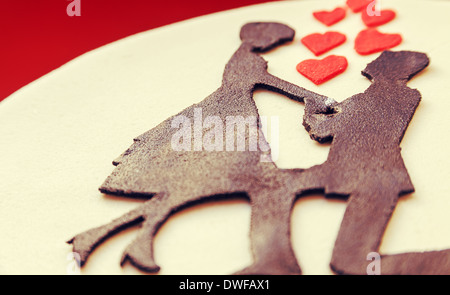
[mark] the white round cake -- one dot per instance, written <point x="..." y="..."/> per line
<point x="61" y="132"/>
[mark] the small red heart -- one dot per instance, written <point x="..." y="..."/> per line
<point x="320" y="71"/>
<point x="358" y="5"/>
<point x="371" y="41"/>
<point x="329" y="18"/>
<point x="378" y="20"/>
<point x="320" y="44"/>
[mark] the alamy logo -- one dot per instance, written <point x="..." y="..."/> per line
<point x="374" y="267"/>
<point x="235" y="133"/>
<point x="374" y="8"/>
<point x="74" y="8"/>
<point x="73" y="268"/>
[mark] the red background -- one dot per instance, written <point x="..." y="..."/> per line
<point x="37" y="36"/>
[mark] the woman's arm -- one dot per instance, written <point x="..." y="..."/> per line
<point x="292" y="91"/>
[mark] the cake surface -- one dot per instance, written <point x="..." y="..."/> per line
<point x="61" y="132"/>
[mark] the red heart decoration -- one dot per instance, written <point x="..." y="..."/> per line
<point x="329" y="18"/>
<point x="358" y="5"/>
<point x="320" y="44"/>
<point x="371" y="41"/>
<point x="320" y="71"/>
<point x="378" y="20"/>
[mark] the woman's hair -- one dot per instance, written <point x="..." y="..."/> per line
<point x="265" y="36"/>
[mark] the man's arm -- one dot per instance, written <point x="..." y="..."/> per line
<point x="320" y="111"/>
<point x="320" y="119"/>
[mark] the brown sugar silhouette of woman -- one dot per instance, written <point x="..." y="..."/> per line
<point x="174" y="179"/>
<point x="365" y="164"/>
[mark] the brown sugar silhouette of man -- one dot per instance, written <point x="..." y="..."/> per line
<point x="365" y="164"/>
